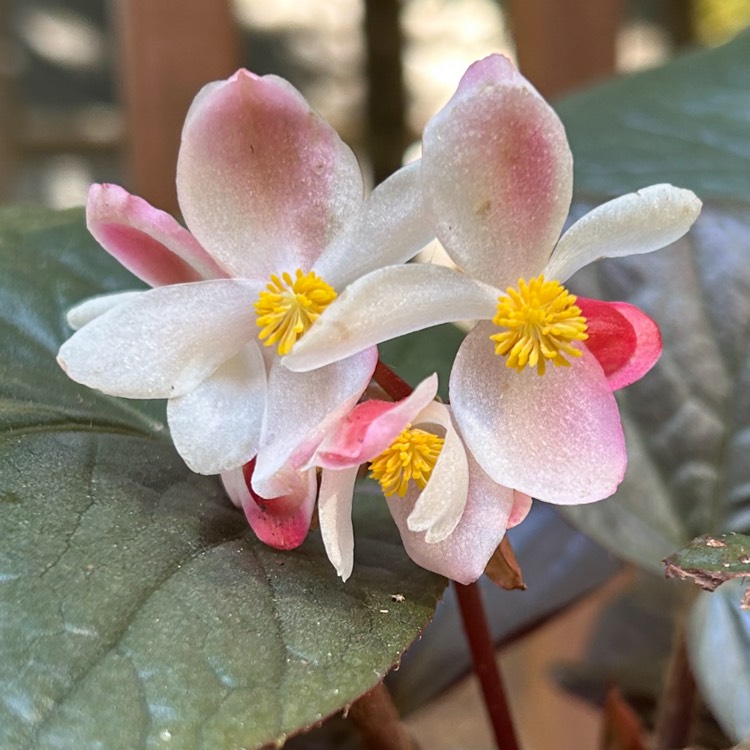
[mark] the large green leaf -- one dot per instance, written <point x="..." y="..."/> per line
<point x="687" y="123"/>
<point x="135" y="606"/>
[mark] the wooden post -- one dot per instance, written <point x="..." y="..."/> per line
<point x="386" y="95"/>
<point x="565" y="44"/>
<point x="169" y="49"/>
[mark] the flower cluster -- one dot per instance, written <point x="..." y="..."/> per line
<point x="262" y="324"/>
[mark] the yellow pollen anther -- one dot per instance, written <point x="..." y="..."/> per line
<point x="289" y="306"/>
<point x="412" y="455"/>
<point x="541" y="320"/>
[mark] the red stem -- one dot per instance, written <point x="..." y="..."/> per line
<point x="485" y="665"/>
<point x="391" y="383"/>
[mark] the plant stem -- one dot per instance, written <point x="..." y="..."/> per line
<point x="377" y="720"/>
<point x="674" y="717"/>
<point x="485" y="666"/>
<point x="391" y="383"/>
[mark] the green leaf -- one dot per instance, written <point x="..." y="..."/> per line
<point x="710" y="561"/>
<point x="136" y="608"/>
<point x="688" y="421"/>
<point x="719" y="644"/>
<point x="685" y="123"/>
<point x="48" y="263"/>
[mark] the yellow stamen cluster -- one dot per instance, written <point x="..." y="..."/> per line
<point x="542" y="320"/>
<point x="289" y="306"/>
<point x="412" y="455"/>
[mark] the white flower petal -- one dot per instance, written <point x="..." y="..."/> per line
<point x="165" y="342"/>
<point x="264" y="183"/>
<point x="335" y="516"/>
<point x="441" y="503"/>
<point x="388" y="303"/>
<point x="92" y="308"/>
<point x="216" y="426"/>
<point x="630" y="225"/>
<point x="556" y="437"/>
<point x="497" y="174"/>
<point x="391" y="227"/>
<point x="301" y="409"/>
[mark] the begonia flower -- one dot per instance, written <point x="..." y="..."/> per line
<point x="531" y="386"/>
<point x="276" y="226"/>
<point x="450" y="514"/>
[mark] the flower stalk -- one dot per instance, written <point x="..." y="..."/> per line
<point x="485" y="665"/>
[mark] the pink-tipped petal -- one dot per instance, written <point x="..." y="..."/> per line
<point x="624" y="340"/>
<point x="302" y="408"/>
<point x="216" y="426"/>
<point x="280" y="522"/>
<point x="335" y="516"/>
<point x="163" y="343"/>
<point x="89" y="309"/>
<point x="391" y="227"/>
<point x="371" y="427"/>
<point x="497" y="174"/>
<point x="464" y="555"/>
<point x="388" y="303"/>
<point x="556" y="437"/>
<point x="441" y="503"/>
<point x="147" y="241"/>
<point x="263" y="182"/>
<point x="521" y="508"/>
<point x="629" y="225"/>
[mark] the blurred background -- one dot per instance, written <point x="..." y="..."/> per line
<point x="94" y="91"/>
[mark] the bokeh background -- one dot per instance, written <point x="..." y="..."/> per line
<point x="96" y="91"/>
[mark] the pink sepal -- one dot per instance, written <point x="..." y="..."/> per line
<point x="147" y="241"/>
<point x="280" y="522"/>
<point x="624" y="340"/>
<point x="371" y="427"/>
